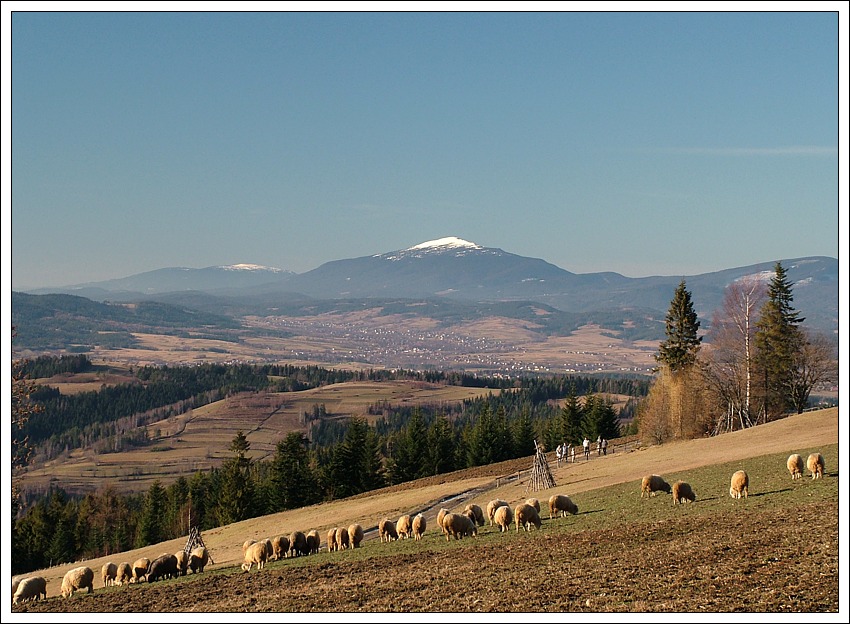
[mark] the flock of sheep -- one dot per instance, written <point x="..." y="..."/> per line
<point x="739" y="485"/>
<point x="143" y="569"/>
<point x="452" y="525"/>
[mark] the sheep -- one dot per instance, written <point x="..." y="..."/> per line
<point x="280" y="546"/>
<point x="332" y="539"/>
<point x="15" y="582"/>
<point x="256" y="553"/>
<point x="479" y="514"/>
<point x="386" y="528"/>
<point x="198" y="559"/>
<point x="492" y="506"/>
<point x="683" y="492"/>
<point x="30" y="588"/>
<point x="795" y="466"/>
<point x="470" y="514"/>
<point x="124" y="574"/>
<point x="355" y="535"/>
<point x="164" y="566"/>
<point x="419" y="526"/>
<point x="503" y="516"/>
<point x="298" y="544"/>
<point x="314" y="541"/>
<point x="342" y="540"/>
<point x="816" y="466"/>
<point x="402" y="526"/>
<point x="78" y="578"/>
<point x="739" y="485"/>
<point x="652" y="484"/>
<point x="140" y="569"/>
<point x="246" y="544"/>
<point x="561" y="504"/>
<point x="440" y="515"/>
<point x="182" y="562"/>
<point x="458" y="526"/>
<point x="525" y="515"/>
<point x="108" y="572"/>
<point x="534" y="503"/>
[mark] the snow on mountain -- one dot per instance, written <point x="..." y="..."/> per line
<point x="449" y="242"/>
<point x="249" y="267"/>
<point x="448" y="245"/>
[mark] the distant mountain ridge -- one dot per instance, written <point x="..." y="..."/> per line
<point x="457" y="269"/>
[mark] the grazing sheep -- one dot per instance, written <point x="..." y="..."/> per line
<point x="534" y="503"/>
<point x="182" y="562"/>
<point x="298" y="544"/>
<point x="492" y="506"/>
<point x="15" y="582"/>
<point x="342" y="540"/>
<point x="561" y="504"/>
<point x="525" y="515"/>
<point x="108" y="572"/>
<point x="739" y="485"/>
<point x="124" y="574"/>
<point x="314" y="541"/>
<point x="652" y="484"/>
<point x="469" y="514"/>
<point x="402" y="526"/>
<point x="30" y="588"/>
<point x="198" y="559"/>
<point x="795" y="466"/>
<point x="459" y="526"/>
<point x="479" y="514"/>
<point x="164" y="566"/>
<point x="140" y="569"/>
<point x="503" y="516"/>
<point x="256" y="553"/>
<point x="355" y="535"/>
<point x="332" y="539"/>
<point x="280" y="546"/>
<point x="815" y="464"/>
<point x="78" y="578"/>
<point x="683" y="492"/>
<point x="386" y="528"/>
<point x="246" y="544"/>
<point x="419" y="526"/>
<point x="440" y="515"/>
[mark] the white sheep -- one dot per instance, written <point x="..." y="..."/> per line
<point x="492" y="506"/>
<point x="30" y="588"/>
<point x="198" y="559"/>
<point x="140" y="569"/>
<point x="534" y="503"/>
<point x="298" y="544"/>
<point x="402" y="526"/>
<point x="503" y="516"/>
<point x="108" y="572"/>
<point x="280" y="546"/>
<point x="561" y="504"/>
<point x="124" y="573"/>
<point x="525" y="515"/>
<point x="440" y="515"/>
<point x="182" y="562"/>
<point x="78" y="578"/>
<point x="419" y="526"/>
<point x="332" y="539"/>
<point x="386" y="528"/>
<point x="815" y="464"/>
<point x="257" y="553"/>
<point x="314" y="542"/>
<point x="342" y="539"/>
<point x="355" y="535"/>
<point x="459" y="526"/>
<point x="740" y="484"/>
<point x="246" y="544"/>
<point x="650" y="485"/>
<point x="683" y="492"/>
<point x="477" y="513"/>
<point x="795" y="466"/>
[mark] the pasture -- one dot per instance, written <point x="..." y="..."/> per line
<point x="776" y="551"/>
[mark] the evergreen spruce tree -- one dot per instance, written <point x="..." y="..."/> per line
<point x="778" y="340"/>
<point x="601" y="419"/>
<point x="571" y="418"/>
<point x="151" y="527"/>
<point x="522" y="432"/>
<point x="355" y="464"/>
<point x="293" y="481"/>
<point x="441" y="447"/>
<point x="482" y="441"/>
<point x="680" y="348"/>
<point x="236" y="493"/>
<point x="409" y="450"/>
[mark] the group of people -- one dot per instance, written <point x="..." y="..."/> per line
<point x="567" y="452"/>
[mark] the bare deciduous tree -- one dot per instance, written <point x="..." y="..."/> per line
<point x="814" y="363"/>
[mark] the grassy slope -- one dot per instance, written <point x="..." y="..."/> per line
<point x="605" y="489"/>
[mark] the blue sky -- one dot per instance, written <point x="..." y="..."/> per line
<point x="641" y="143"/>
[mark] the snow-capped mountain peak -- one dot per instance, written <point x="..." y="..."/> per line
<point x="449" y="242"/>
<point x="249" y="267"/>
